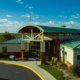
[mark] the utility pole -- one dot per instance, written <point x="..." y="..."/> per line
<point x="30" y="10"/>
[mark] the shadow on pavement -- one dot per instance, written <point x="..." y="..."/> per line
<point x="3" y="79"/>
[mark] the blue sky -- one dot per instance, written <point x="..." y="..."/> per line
<point x="15" y="13"/>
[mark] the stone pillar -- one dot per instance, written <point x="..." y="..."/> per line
<point x="42" y="51"/>
<point x="22" y="49"/>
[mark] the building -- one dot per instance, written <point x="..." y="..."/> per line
<point x="13" y="47"/>
<point x="46" y="43"/>
<point x="70" y="52"/>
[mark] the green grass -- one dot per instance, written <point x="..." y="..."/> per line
<point x="54" y="72"/>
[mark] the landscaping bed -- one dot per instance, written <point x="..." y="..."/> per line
<point x="54" y="72"/>
<point x="60" y="71"/>
<point x="8" y="59"/>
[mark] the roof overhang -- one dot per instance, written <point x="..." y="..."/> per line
<point x="27" y="29"/>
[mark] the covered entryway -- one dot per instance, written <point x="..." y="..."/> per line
<point x="37" y="44"/>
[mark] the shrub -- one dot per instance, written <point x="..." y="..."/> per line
<point x="74" y="70"/>
<point x="61" y="65"/>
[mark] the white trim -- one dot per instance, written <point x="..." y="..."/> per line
<point x="22" y="36"/>
<point x="28" y="36"/>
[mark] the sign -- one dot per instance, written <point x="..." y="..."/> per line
<point x="11" y="56"/>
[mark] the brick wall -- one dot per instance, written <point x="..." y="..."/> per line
<point x="56" y="43"/>
<point x="68" y="64"/>
<point x="43" y="57"/>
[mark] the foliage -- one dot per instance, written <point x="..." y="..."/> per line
<point x="61" y="65"/>
<point x="74" y="70"/>
<point x="7" y="59"/>
<point x="54" y="72"/>
<point x="30" y="34"/>
<point x="63" y="26"/>
<point x="6" y="36"/>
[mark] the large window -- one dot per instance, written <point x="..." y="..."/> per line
<point x="35" y="45"/>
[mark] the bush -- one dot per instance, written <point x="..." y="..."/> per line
<point x="74" y="70"/>
<point x="61" y="65"/>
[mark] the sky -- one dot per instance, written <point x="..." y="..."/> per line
<point x="16" y="13"/>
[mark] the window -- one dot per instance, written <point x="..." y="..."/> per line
<point x="78" y="57"/>
<point x="4" y="49"/>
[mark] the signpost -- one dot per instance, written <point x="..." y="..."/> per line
<point x="11" y="56"/>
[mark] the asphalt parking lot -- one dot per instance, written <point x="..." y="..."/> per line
<point x="13" y="72"/>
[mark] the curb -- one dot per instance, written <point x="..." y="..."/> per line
<point x="25" y="67"/>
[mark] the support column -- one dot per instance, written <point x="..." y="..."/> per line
<point x="42" y="51"/>
<point x="22" y="49"/>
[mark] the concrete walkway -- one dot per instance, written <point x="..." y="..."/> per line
<point x="32" y="64"/>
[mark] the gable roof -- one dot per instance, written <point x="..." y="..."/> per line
<point x="45" y="28"/>
<point x="14" y="41"/>
<point x="72" y="44"/>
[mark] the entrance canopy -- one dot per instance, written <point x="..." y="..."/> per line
<point x="44" y="28"/>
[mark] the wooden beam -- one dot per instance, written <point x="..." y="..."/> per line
<point x="38" y="35"/>
<point x="28" y="36"/>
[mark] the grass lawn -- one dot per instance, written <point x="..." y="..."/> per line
<point x="54" y="72"/>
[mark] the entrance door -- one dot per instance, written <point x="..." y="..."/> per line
<point x="35" y="49"/>
<point x="48" y="50"/>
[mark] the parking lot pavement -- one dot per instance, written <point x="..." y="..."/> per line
<point x="13" y="72"/>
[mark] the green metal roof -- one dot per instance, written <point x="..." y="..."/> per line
<point x="45" y="28"/>
<point x="17" y="40"/>
<point x="72" y="44"/>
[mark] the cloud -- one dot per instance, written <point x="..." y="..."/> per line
<point x="9" y="16"/>
<point x="27" y="15"/>
<point x="63" y="16"/>
<point x="31" y="12"/>
<point x="75" y="16"/>
<point x="10" y="26"/>
<point x="26" y="6"/>
<point x="33" y="18"/>
<point x="69" y="24"/>
<point x="3" y="20"/>
<point x="19" y="1"/>
<point x="31" y="7"/>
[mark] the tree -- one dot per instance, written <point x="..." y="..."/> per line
<point x="63" y="26"/>
<point x="6" y="36"/>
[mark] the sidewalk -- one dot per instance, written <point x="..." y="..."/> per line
<point x="32" y="64"/>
